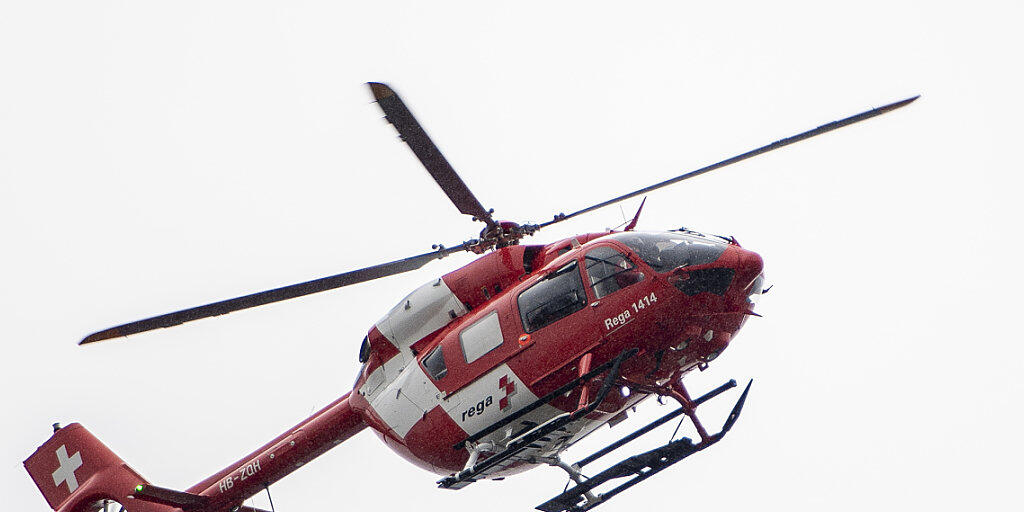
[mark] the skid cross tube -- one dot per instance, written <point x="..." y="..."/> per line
<point x="641" y="466"/>
<point x="525" y="440"/>
<point x="654" y="424"/>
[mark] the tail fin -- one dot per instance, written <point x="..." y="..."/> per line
<point x="73" y="470"/>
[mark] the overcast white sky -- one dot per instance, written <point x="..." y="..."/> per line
<point x="155" y="156"/>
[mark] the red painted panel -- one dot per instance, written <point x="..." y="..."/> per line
<point x="479" y="282"/>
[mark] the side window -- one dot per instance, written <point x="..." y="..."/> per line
<point x="434" y="363"/>
<point x="557" y="296"/>
<point x="364" y="350"/>
<point x="481" y="337"/>
<point x="610" y="271"/>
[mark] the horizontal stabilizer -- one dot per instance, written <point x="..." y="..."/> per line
<point x="164" y="496"/>
<point x="251" y="509"/>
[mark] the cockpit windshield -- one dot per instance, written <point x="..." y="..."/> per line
<point x="668" y="250"/>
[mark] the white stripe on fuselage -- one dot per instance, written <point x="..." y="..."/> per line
<point x="425" y="310"/>
<point x="389" y="371"/>
<point x="405" y="400"/>
<point x="478" y="405"/>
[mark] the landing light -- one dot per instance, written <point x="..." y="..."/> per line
<point x="624" y="391"/>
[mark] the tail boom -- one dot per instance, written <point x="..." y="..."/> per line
<point x="302" y="443"/>
<point x="74" y="470"/>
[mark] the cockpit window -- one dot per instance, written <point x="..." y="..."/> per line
<point x="557" y="296"/>
<point x="666" y="251"/>
<point x="434" y="363"/>
<point x="609" y="271"/>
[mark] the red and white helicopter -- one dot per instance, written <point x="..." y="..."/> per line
<point x="491" y="369"/>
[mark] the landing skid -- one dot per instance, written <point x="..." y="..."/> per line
<point x="642" y="466"/>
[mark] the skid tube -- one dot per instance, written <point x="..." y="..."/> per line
<point x="523" y="440"/>
<point x="644" y="465"/>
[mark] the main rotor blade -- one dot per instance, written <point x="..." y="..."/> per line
<point x="269" y="296"/>
<point x="412" y="133"/>
<point x="738" y="158"/>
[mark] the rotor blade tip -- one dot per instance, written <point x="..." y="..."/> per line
<point x="105" y="334"/>
<point x="901" y="103"/>
<point x="380" y="91"/>
<point x="92" y="338"/>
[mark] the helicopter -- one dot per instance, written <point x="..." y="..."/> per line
<point x="494" y="368"/>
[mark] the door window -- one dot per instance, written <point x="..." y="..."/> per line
<point x="481" y="337"/>
<point x="557" y="296"/>
<point x="610" y="271"/>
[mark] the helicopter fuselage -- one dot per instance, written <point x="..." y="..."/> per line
<point x="480" y="343"/>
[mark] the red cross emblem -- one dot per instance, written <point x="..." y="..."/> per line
<point x="510" y="389"/>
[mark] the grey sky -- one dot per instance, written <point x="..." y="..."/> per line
<point x="155" y="156"/>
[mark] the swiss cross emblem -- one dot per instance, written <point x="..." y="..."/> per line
<point x="509" y="386"/>
<point x="66" y="467"/>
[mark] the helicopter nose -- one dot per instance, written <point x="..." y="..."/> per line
<point x="747" y="267"/>
<point x="729" y="275"/>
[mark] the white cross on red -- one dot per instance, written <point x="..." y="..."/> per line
<point x="66" y="467"/>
